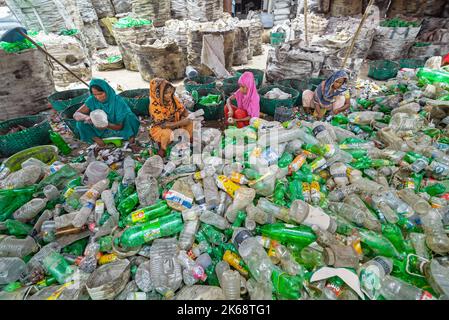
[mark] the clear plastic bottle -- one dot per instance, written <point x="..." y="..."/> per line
<point x="211" y="192"/>
<point x="169" y="167"/>
<point x="51" y="192"/>
<point x="279" y="212"/>
<point x="187" y="235"/>
<point x="242" y="198"/>
<point x="419" y="244"/>
<point x="371" y="274"/>
<point x="231" y="284"/>
<point x="198" y="193"/>
<point x="253" y="254"/>
<point x="322" y="134"/>
<point x="129" y="174"/>
<point x="109" y="204"/>
<point x="11" y="269"/>
<point x="303" y="213"/>
<point x="220" y="268"/>
<point x="257" y="214"/>
<point x="143" y="277"/>
<point x="30" y="209"/>
<point x="381" y="204"/>
<point x="419" y="205"/>
<point x="165" y="269"/>
<point x="340" y="193"/>
<point x="338" y="172"/>
<point x="13" y="247"/>
<point x="392" y="288"/>
<point x="259" y="290"/>
<point x="436" y="238"/>
<point x="193" y="272"/>
<point x="222" y="206"/>
<point x="348" y="212"/>
<point x="214" y="220"/>
<point x="367" y="185"/>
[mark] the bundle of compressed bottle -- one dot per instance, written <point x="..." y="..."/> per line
<point x="353" y="208"/>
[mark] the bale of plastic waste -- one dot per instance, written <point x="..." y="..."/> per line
<point x="32" y="66"/>
<point x="160" y="58"/>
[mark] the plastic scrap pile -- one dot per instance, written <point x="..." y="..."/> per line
<point x="352" y="208"/>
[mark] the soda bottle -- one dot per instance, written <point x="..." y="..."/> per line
<point x="287" y="233"/>
<point x="127" y="205"/>
<point x="393" y="233"/>
<point x="57" y="266"/>
<point x="212" y="235"/>
<point x="280" y="190"/>
<point x="146" y="214"/>
<point x="286" y="286"/>
<point x="236" y="262"/>
<point x="144" y="233"/>
<point x="17" y="228"/>
<point x="378" y="244"/>
<point x="230" y="283"/>
<point x="59" y="142"/>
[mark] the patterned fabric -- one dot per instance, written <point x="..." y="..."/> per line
<point x="325" y="94"/>
<point x="160" y="110"/>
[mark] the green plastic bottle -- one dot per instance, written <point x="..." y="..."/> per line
<point x="357" y="153"/>
<point x="124" y="192"/>
<point x="213" y="235"/>
<point x="146" y="214"/>
<point x="127" y="205"/>
<point x="433" y="75"/>
<point x="238" y="222"/>
<point x="17" y="228"/>
<point x="286" y="286"/>
<point x="212" y="279"/>
<point x="286" y="233"/>
<point x="76" y="248"/>
<point x="378" y="244"/>
<point x="12" y="204"/>
<point x="393" y="233"/>
<point x="143" y="233"/>
<point x="280" y="190"/>
<point x="58" y="267"/>
<point x="105" y="243"/>
<point x="285" y="160"/>
<point x="295" y="190"/>
<point x="59" y="142"/>
<point x="411" y="157"/>
<point x="435" y="189"/>
<point x="251" y="174"/>
<point x="308" y="257"/>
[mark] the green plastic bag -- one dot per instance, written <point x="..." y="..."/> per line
<point x="129" y="22"/>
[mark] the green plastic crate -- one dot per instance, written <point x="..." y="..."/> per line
<point x="276" y="38"/>
<point x="230" y="85"/>
<point x="412" y="63"/>
<point x="269" y="106"/>
<point x="258" y="75"/>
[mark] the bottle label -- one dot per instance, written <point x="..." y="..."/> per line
<point x="234" y="261"/>
<point x="151" y="234"/>
<point x="137" y="216"/>
<point x="297" y="163"/>
<point x="227" y="185"/>
<point x="426" y="296"/>
<point x="178" y="197"/>
<point x="237" y="177"/>
<point x="383" y="264"/>
<point x="318" y="129"/>
<point x="240" y="237"/>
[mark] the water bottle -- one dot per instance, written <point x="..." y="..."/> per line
<point x="340" y="193"/>
<point x="51" y="192"/>
<point x="220" y="268"/>
<point x="348" y="212"/>
<point x="129" y="174"/>
<point x="11" y="269"/>
<point x="230" y="283"/>
<point x="214" y="220"/>
<point x="338" y="172"/>
<point x="303" y="213"/>
<point x="211" y="192"/>
<point x="187" y="236"/>
<point x="109" y="204"/>
<point x="392" y="288"/>
<point x="13" y="247"/>
<point x="30" y="209"/>
<point x="143" y="277"/>
<point x="418" y="204"/>
<point x="168" y="169"/>
<point x="57" y="266"/>
<point x="322" y="134"/>
<point x="436" y="237"/>
<point x="253" y="254"/>
<point x="165" y="269"/>
<point x="371" y="274"/>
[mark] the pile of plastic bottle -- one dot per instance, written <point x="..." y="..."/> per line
<point x="355" y="207"/>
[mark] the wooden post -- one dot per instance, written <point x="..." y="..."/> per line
<point x="356" y="35"/>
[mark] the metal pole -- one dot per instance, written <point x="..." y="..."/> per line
<point x="48" y="54"/>
<point x="357" y="33"/>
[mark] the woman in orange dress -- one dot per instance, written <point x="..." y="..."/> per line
<point x="167" y="113"/>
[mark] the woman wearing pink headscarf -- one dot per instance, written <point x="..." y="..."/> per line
<point x="247" y="102"/>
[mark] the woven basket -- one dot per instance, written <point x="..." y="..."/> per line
<point x="215" y="112"/>
<point x="67" y="117"/>
<point x="258" y="75"/>
<point x="138" y="100"/>
<point x="64" y="99"/>
<point x="269" y="106"/>
<point x="36" y="134"/>
<point x="203" y="82"/>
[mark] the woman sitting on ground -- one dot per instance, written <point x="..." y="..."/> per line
<point x="247" y="102"/>
<point x="167" y="113"/>
<point x="331" y="95"/>
<point x="122" y="122"/>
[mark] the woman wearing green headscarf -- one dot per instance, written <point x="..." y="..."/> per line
<point x="122" y="122"/>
